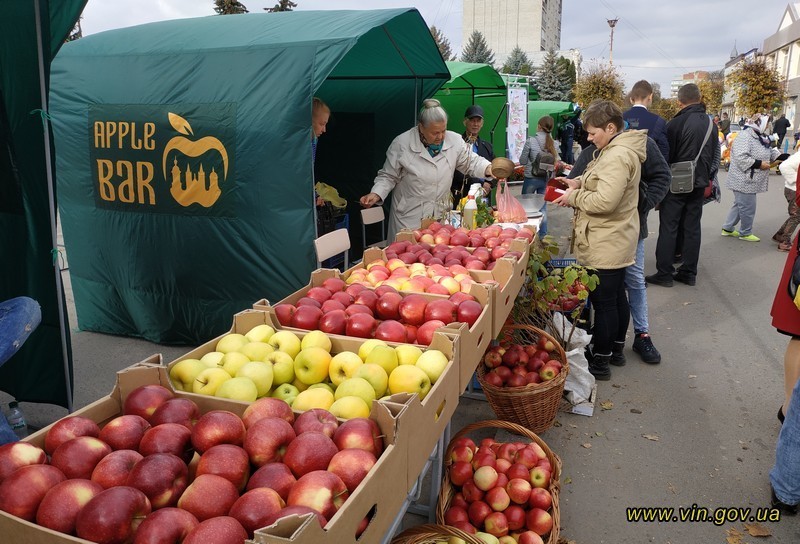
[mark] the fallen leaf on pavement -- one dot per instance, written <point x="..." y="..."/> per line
<point x="567" y="480"/>
<point x="635" y="411"/>
<point x="586" y="445"/>
<point x="598" y="433"/>
<point x="734" y="536"/>
<point x="653" y="437"/>
<point x="672" y="488"/>
<point x="756" y="529"/>
<point x="606" y="405"/>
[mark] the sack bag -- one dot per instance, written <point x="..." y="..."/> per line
<point x="545" y="157"/>
<point x="330" y="194"/>
<point x="683" y="171"/>
<point x="509" y="209"/>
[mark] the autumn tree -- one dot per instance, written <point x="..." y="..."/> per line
<point x="442" y="43"/>
<point x="477" y="50"/>
<point x="229" y="7"/>
<point x="712" y="90"/>
<point x="552" y="82"/>
<point x="758" y="88"/>
<point x="599" y="82"/>
<point x="665" y="107"/>
<point x="282" y="5"/>
<point x="517" y="63"/>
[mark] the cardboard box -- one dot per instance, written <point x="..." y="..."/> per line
<point x="372" y="498"/>
<point x="510" y="276"/>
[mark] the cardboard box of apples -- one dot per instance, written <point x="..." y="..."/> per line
<point x="162" y="466"/>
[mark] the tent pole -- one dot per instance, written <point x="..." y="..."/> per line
<point x="51" y="198"/>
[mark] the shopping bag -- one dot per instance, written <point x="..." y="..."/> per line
<point x="509" y="209"/>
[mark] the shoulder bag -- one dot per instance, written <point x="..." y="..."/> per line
<point x="683" y="171"/>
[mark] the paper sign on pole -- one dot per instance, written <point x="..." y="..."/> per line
<point x="517" y="121"/>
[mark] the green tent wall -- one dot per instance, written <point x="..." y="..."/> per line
<point x="134" y="109"/>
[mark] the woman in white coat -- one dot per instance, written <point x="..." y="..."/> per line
<point x="419" y="169"/>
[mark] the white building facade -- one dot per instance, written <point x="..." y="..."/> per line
<point x="782" y="52"/>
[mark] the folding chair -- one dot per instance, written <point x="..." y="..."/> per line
<point x="370" y="216"/>
<point x="332" y="244"/>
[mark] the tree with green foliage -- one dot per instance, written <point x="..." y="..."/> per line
<point x="758" y="88"/>
<point x="517" y="63"/>
<point x="571" y="72"/>
<point x="442" y="43"/>
<point x="282" y="5"/>
<point x="552" y="82"/>
<point x="600" y="82"/>
<point x="712" y="90"/>
<point x="477" y="50"/>
<point x="229" y="7"/>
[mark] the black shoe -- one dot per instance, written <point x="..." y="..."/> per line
<point x="685" y="278"/>
<point x="643" y="345"/>
<point x="617" y="356"/>
<point x="598" y="367"/>
<point x="781" y="417"/>
<point x="655" y="279"/>
<point x="678" y="258"/>
<point x="788" y="509"/>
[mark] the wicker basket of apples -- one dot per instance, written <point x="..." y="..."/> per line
<point x="431" y="533"/>
<point x="500" y="488"/>
<point x="523" y="376"/>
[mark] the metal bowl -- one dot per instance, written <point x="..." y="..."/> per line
<point x="502" y="168"/>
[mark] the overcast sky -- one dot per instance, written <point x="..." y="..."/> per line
<point x="653" y="40"/>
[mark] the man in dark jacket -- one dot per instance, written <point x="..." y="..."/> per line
<point x="685" y="133"/>
<point x="473" y="123"/>
<point x="653" y="186"/>
<point x="640" y="119"/>
<point x="780" y="127"/>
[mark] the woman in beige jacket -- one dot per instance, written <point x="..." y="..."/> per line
<point x="606" y="228"/>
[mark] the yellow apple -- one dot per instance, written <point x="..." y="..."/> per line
<point x="207" y="382"/>
<point x="282" y="367"/>
<point x="433" y="363"/>
<point x="450" y="284"/>
<point x="383" y="356"/>
<point x="407" y="354"/>
<point x="313" y="398"/>
<point x="286" y="392"/>
<point x="316" y="339"/>
<point x="212" y="358"/>
<point x="233" y="361"/>
<point x="356" y="387"/>
<point x="285" y="341"/>
<point x="349" y="408"/>
<point x="231" y="342"/>
<point x="323" y="385"/>
<point x="237" y="389"/>
<point x="256" y="351"/>
<point x="261" y="374"/>
<point x="343" y="366"/>
<point x="409" y="379"/>
<point x="487" y="538"/>
<point x="311" y="365"/>
<point x="183" y="373"/>
<point x="260" y="333"/>
<point x="299" y="385"/>
<point x="375" y="375"/>
<point x="376" y="262"/>
<point x="367" y="346"/>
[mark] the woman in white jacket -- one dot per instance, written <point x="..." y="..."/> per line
<point x="789" y="172"/>
<point x="419" y="170"/>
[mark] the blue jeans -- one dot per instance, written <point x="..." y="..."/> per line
<point x="744" y="210"/>
<point x="785" y="475"/>
<point x="537" y="186"/>
<point x="637" y="291"/>
<point x="18" y="318"/>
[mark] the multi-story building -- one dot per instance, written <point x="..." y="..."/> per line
<point x="533" y="25"/>
<point x="691" y="77"/>
<point x="782" y="52"/>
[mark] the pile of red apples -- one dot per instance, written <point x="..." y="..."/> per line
<point x="520" y="365"/>
<point x="489" y="237"/>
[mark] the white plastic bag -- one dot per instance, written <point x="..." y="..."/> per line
<point x="579" y="383"/>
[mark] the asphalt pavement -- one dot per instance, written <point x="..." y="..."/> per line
<point x="696" y="432"/>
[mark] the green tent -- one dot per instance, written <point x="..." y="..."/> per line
<point x="31" y="33"/>
<point x="553" y="108"/>
<point x="472" y="83"/>
<point x="185" y="160"/>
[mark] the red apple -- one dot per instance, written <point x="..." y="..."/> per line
<point x="113" y="469"/>
<point x="218" y="530"/>
<point x="360" y="325"/>
<point x="19" y="454"/>
<point x="362" y="433"/>
<point x="540" y="498"/>
<point x="352" y="466"/>
<point x="478" y="511"/>
<point x="391" y="331"/>
<point x="306" y="301"/>
<point x="320" y="294"/>
<point x="358" y="309"/>
<point x="471" y="492"/>
<point x="276" y="476"/>
<point x="333" y="322"/>
<point x="455" y="514"/>
<point x="124" y="432"/>
<point x="367" y="298"/>
<point x="540" y="477"/>
<point x="460" y="472"/>
<point x="168" y="438"/>
<point x="144" y="400"/>
<point x="496" y="524"/>
<point x="548" y="372"/>
<point x="226" y="460"/>
<point x="208" y="496"/>
<point x="354" y="289"/>
<point x="529" y="537"/>
<point x="163" y="477"/>
<point x="267" y="440"/>
<point x="318" y="420"/>
<point x="67" y="429"/>
<point x="462" y="453"/>
<point x="217" y="427"/>
<point x="504" y="372"/>
<point x="297" y="510"/>
<point x="177" y="410"/>
<point x="527" y="456"/>
<point x="502" y="466"/>
<point x="539" y="521"/>
<point x="344" y="298"/>
<point x="267" y="407"/>
<point x="426" y="330"/>
<point x="411" y="333"/>
<point x="329" y="306"/>
<point x="23" y="490"/>
<point x="334" y="285"/>
<point x="518" y="470"/>
<point x="77" y="458"/>
<point x="309" y="452"/>
<point x="306" y="317"/>
<point x="482" y="459"/>
<point x="459" y="500"/>
<point x="515" y="515"/>
<point x="497" y="498"/>
<point x="321" y="490"/>
<point x="412" y="309"/>
<point x="502" y="480"/>
<point x="285" y="313"/>
<point x="516" y="380"/>
<point x="441" y="310"/>
<point x="492" y="358"/>
<point x="465" y="526"/>
<point x="533" y="377"/>
<point x="519" y="490"/>
<point x="460" y="296"/>
<point x="255" y="507"/>
<point x="166" y="526"/>
<point x="113" y="515"/>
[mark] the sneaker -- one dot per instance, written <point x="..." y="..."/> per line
<point x="643" y="345"/>
<point x="750" y="238"/>
<point x="655" y="279"/>
<point x="730" y="233"/>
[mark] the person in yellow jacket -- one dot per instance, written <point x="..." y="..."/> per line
<point x="606" y="224"/>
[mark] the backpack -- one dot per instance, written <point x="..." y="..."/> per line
<point x="548" y="159"/>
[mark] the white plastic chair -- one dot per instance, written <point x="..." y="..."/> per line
<point x="370" y="216"/>
<point x="332" y="244"/>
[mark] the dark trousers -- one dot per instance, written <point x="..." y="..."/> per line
<point x="611" y="310"/>
<point x="690" y="205"/>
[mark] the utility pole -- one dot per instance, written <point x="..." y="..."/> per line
<point x="612" y="23"/>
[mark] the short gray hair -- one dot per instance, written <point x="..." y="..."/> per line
<point x="689" y="94"/>
<point x="431" y="112"/>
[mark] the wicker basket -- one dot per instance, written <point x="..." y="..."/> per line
<point x="534" y="406"/>
<point x="431" y="533"/>
<point x="447" y="492"/>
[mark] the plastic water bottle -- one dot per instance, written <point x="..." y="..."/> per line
<point x="16" y="419"/>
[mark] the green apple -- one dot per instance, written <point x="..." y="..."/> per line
<point x="349" y="408"/>
<point x="261" y="374"/>
<point x="233" y="361"/>
<point x="343" y="366"/>
<point x="207" y="382"/>
<point x="260" y="333"/>
<point x="323" y="385"/>
<point x="238" y="389"/>
<point x="212" y="358"/>
<point x="231" y="342"/>
<point x="487" y="538"/>
<point x="311" y="365"/>
<point x="407" y="354"/>
<point x="375" y="375"/>
<point x="367" y="346"/>
<point x="383" y="356"/>
<point x="282" y="367"/>
<point x="433" y="363"/>
<point x="316" y="339"/>
<point x="313" y="398"/>
<point x="286" y="392"/>
<point x="301" y="386"/>
<point x="256" y="351"/>
<point x="409" y="379"/>
<point x="356" y="387"/>
<point x="183" y="373"/>
<point x="285" y="341"/>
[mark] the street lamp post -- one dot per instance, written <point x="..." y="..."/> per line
<point x="612" y="23"/>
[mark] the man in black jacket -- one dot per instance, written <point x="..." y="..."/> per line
<point x="685" y="133"/>
<point x="473" y="123"/>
